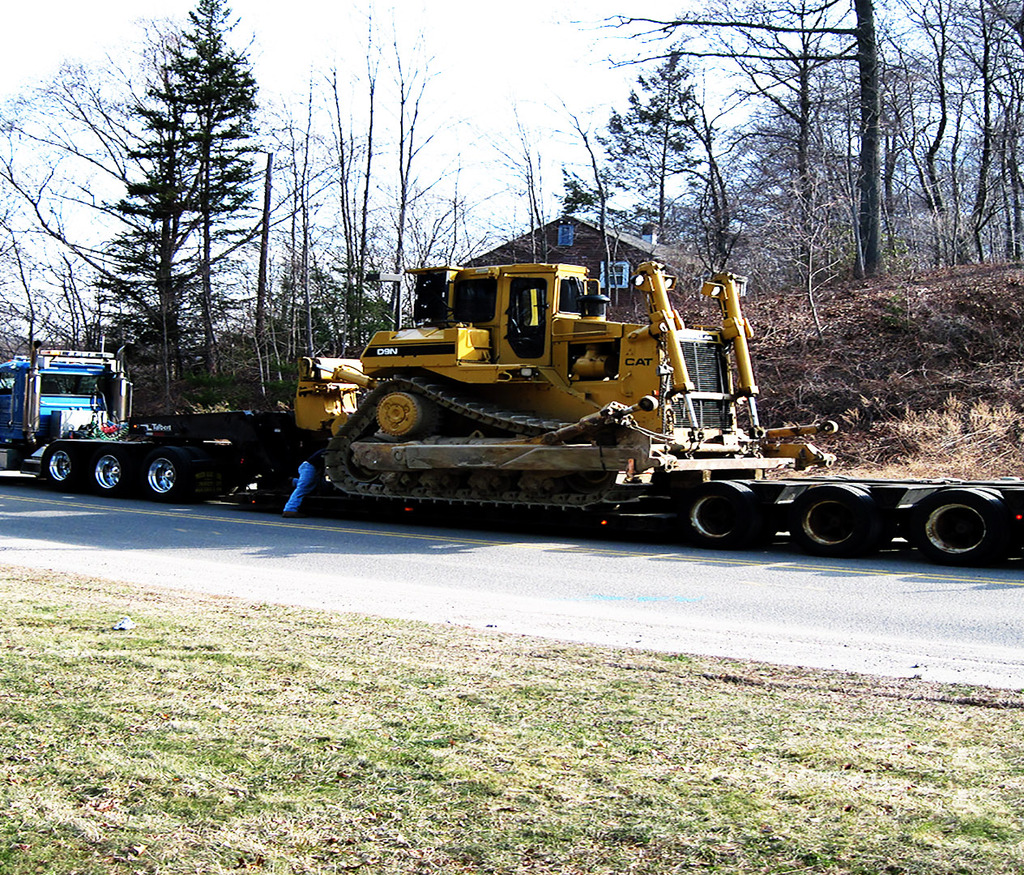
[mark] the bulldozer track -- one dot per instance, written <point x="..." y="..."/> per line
<point x="451" y="487"/>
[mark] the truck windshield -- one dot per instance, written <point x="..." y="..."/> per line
<point x="69" y="384"/>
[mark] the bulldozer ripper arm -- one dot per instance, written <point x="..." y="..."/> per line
<point x="727" y="288"/>
<point x="327" y="392"/>
<point x="345" y="374"/>
<point x="664" y="321"/>
<point x="791" y="431"/>
<point x="314" y="370"/>
<point x="803" y="455"/>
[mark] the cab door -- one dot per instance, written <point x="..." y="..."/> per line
<point x="12" y="402"/>
<point x="526" y="317"/>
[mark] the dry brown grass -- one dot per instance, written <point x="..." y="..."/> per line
<point x="979" y="440"/>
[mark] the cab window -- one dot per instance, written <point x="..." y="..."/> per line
<point x="475" y="300"/>
<point x="431" y="301"/>
<point x="570" y="290"/>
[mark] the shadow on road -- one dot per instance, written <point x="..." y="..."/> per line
<point x="32" y="512"/>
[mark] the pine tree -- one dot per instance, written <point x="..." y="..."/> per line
<point x="153" y="264"/>
<point x="650" y="143"/>
<point x="189" y="209"/>
<point x="218" y="91"/>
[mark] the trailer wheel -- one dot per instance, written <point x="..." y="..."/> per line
<point x="836" y="519"/>
<point x="113" y="471"/>
<point x="62" y="467"/>
<point x="168" y="474"/>
<point x="961" y="527"/>
<point x="724" y="516"/>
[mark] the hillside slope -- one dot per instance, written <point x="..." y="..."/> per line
<point x="923" y="373"/>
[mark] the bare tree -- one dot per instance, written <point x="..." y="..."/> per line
<point x="523" y="158"/>
<point x="958" y="73"/>
<point x="355" y="149"/>
<point x="411" y="81"/>
<point x="765" y="33"/>
<point x="715" y="212"/>
<point x="922" y="76"/>
<point x="260" y="320"/>
<point x="600" y="187"/>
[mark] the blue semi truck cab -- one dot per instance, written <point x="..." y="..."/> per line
<point x="54" y="394"/>
<point x="65" y="417"/>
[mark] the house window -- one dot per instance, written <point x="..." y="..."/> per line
<point x="617" y="277"/>
<point x="566" y="234"/>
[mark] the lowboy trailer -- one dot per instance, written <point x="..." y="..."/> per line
<point x="514" y="397"/>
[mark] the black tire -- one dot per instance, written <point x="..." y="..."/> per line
<point x="965" y="526"/>
<point x="169" y="474"/>
<point x="836" y="519"/>
<point x="113" y="471"/>
<point x="63" y="466"/>
<point x="724" y="515"/>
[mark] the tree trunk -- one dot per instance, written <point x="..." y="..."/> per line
<point x="261" y="280"/>
<point x="206" y="278"/>
<point x="869" y="183"/>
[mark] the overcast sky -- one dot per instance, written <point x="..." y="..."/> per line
<point x="522" y="49"/>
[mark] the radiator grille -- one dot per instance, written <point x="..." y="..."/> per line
<point x="705" y="364"/>
<point x="710" y="414"/>
<point x="707" y="367"/>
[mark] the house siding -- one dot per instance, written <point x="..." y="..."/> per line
<point x="541" y="246"/>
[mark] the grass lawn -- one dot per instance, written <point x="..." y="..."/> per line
<point x="223" y="736"/>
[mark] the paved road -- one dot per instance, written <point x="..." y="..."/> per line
<point x="893" y="615"/>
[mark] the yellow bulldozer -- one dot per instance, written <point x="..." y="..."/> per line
<point x="514" y="389"/>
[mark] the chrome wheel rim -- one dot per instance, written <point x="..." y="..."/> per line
<point x="161" y="476"/>
<point x="59" y="466"/>
<point x="108" y="471"/>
